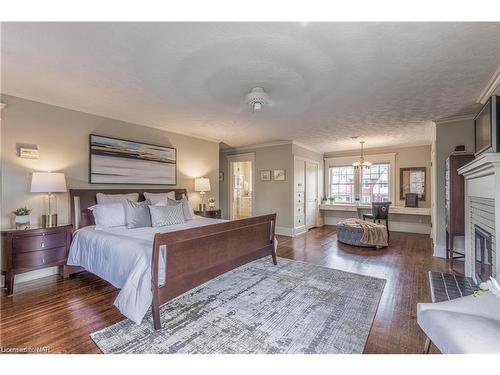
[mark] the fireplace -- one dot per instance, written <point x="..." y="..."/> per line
<point x="483" y="253"/>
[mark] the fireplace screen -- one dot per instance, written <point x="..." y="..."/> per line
<point x="483" y="253"/>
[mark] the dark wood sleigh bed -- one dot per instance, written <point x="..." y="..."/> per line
<point x="193" y="256"/>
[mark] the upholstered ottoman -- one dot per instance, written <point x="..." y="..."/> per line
<point x="350" y="235"/>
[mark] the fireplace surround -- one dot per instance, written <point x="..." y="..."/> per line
<point x="482" y="216"/>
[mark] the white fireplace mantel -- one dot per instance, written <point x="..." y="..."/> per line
<point x="482" y="180"/>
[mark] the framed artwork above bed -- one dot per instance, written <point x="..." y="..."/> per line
<point x="120" y="161"/>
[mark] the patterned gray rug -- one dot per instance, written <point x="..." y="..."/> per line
<point x="294" y="307"/>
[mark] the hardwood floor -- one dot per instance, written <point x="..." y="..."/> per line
<point x="60" y="314"/>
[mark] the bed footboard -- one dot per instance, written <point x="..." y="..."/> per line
<point x="194" y="256"/>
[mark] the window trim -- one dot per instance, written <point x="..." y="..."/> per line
<point x="340" y="161"/>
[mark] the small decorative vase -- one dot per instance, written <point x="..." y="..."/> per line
<point x="22" y="221"/>
<point x="211" y="205"/>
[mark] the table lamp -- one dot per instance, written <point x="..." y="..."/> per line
<point x="50" y="183"/>
<point x="202" y="185"/>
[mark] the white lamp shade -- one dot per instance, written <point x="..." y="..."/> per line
<point x="48" y="182"/>
<point x="202" y="184"/>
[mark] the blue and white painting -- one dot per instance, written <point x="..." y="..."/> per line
<point x="117" y="161"/>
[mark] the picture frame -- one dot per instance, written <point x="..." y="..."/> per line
<point x="121" y="161"/>
<point x="265" y="175"/>
<point x="279" y="175"/>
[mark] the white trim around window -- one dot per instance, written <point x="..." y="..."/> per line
<point x="374" y="159"/>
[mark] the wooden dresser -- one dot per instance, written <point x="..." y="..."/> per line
<point x="32" y="249"/>
<point x="455" y="202"/>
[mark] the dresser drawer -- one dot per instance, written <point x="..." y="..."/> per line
<point x="38" y="258"/>
<point x="39" y="242"/>
<point x="299" y="221"/>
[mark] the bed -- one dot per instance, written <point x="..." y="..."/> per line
<point x="151" y="266"/>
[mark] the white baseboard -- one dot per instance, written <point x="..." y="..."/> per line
<point x="284" y="231"/>
<point x="37" y="274"/>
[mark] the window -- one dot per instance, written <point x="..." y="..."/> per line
<point x="375" y="184"/>
<point x="342" y="184"/>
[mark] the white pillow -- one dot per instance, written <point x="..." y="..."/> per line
<point x="155" y="198"/>
<point x="186" y="207"/>
<point x="108" y="215"/>
<point x="115" y="198"/>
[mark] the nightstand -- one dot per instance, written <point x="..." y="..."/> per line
<point x="212" y="214"/>
<point x="31" y="249"/>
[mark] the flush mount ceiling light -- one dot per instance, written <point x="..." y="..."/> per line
<point x="361" y="163"/>
<point x="257" y="98"/>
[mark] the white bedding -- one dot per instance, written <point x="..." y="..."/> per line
<point x="123" y="257"/>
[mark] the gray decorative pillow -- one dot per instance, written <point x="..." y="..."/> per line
<point x="186" y="207"/>
<point x="137" y="214"/>
<point x="166" y="215"/>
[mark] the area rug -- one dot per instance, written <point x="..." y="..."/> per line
<point x="294" y="307"/>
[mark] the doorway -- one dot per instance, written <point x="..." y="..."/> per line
<point x="241" y="186"/>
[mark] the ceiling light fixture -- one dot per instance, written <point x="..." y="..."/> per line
<point x="361" y="163"/>
<point x="257" y="98"/>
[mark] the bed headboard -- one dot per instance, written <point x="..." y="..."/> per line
<point x="81" y="200"/>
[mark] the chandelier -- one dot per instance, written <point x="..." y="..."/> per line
<point x="361" y="163"/>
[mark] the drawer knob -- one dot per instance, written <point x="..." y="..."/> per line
<point x="43" y="234"/>
<point x="43" y="260"/>
<point x="43" y="244"/>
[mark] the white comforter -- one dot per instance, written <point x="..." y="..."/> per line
<point x="123" y="257"/>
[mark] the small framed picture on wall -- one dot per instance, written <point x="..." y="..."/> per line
<point x="279" y="175"/>
<point x="221" y="176"/>
<point x="265" y="175"/>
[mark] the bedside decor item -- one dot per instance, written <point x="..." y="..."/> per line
<point x="32" y="249"/>
<point x="202" y="185"/>
<point x="22" y="219"/>
<point x="361" y="163"/>
<point x="412" y="180"/>
<point x="211" y="203"/>
<point x="118" y="161"/>
<point x="279" y="175"/>
<point x="265" y="175"/>
<point x="50" y="183"/>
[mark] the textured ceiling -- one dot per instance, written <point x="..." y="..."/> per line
<point x="327" y="81"/>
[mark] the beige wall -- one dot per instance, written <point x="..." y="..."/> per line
<point x="418" y="156"/>
<point x="448" y="135"/>
<point x="62" y="139"/>
<point x="270" y="196"/>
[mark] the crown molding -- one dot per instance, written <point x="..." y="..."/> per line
<point x="490" y="88"/>
<point x="445" y="120"/>
<point x="258" y="145"/>
<point x="300" y="144"/>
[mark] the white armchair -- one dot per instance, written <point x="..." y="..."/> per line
<point x="463" y="325"/>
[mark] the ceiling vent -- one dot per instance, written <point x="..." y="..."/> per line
<point x="257" y="98"/>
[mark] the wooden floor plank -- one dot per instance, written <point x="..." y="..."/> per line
<point x="61" y="313"/>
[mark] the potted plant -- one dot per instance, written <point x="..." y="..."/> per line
<point x="332" y="200"/>
<point x="22" y="216"/>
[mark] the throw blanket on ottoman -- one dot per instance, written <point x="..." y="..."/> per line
<point x="373" y="234"/>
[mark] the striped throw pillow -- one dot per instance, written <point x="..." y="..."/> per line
<point x="166" y="215"/>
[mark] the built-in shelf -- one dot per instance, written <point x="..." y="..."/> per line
<point x="420" y="211"/>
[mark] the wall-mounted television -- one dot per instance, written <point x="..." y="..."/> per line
<point x="487" y="127"/>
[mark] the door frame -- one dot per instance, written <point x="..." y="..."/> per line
<point x="249" y="156"/>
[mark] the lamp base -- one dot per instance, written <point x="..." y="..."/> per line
<point x="202" y="207"/>
<point x="49" y="220"/>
